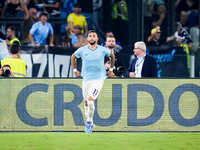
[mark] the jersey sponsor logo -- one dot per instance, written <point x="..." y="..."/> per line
<point x="99" y="54"/>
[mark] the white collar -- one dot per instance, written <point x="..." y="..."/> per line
<point x="142" y="56"/>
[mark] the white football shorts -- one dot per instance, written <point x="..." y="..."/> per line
<point x="91" y="88"/>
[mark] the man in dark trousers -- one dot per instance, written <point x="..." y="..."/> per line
<point x="143" y="65"/>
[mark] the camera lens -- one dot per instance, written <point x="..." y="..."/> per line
<point x="6" y="72"/>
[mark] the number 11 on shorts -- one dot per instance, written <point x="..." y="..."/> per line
<point x="95" y="92"/>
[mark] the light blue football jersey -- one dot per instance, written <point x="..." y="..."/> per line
<point x="93" y="62"/>
<point x="40" y="32"/>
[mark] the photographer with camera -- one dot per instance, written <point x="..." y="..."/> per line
<point x="15" y="62"/>
<point x="118" y="70"/>
<point x="6" y="72"/>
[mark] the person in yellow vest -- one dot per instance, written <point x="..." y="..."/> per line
<point x="120" y="9"/>
<point x="120" y="21"/>
<point x="76" y="18"/>
<point x="15" y="62"/>
<point x="10" y="33"/>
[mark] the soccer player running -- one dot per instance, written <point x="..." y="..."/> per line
<point x="93" y="73"/>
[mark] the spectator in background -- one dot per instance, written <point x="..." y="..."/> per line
<point x="193" y="16"/>
<point x="97" y="13"/>
<point x="160" y="19"/>
<point x="120" y="21"/>
<point x="11" y="31"/>
<point x="182" y="36"/>
<point x="30" y="4"/>
<point x="15" y="62"/>
<point x="183" y="40"/>
<point x="40" y="31"/>
<point x="2" y="2"/>
<point x="67" y="9"/>
<point x="194" y="33"/>
<point x="52" y="7"/>
<point x="3" y="50"/>
<point x="148" y="9"/>
<point x="148" y="12"/>
<point x="87" y="11"/>
<point x="155" y="39"/>
<point x="11" y="8"/>
<point x="117" y="45"/>
<point x="37" y="4"/>
<point x="76" y="18"/>
<point x="78" y="39"/>
<point x="66" y="41"/>
<point x="30" y="17"/>
<point x="143" y="65"/>
<point x="183" y="20"/>
<point x="182" y="5"/>
<point x="110" y="44"/>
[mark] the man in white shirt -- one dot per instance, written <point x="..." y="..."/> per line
<point x="143" y="65"/>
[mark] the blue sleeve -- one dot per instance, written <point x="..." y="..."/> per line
<point x="108" y="52"/>
<point x="33" y="28"/>
<point x="78" y="52"/>
<point x="118" y="43"/>
<point x="74" y="39"/>
<point x="50" y="29"/>
<point x="103" y="44"/>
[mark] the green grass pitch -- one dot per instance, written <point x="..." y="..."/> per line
<point x="99" y="141"/>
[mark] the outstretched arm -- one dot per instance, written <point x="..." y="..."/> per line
<point x="4" y="9"/>
<point x="24" y="9"/>
<point x="56" y="5"/>
<point x="150" y="38"/>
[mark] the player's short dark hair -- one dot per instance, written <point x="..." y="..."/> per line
<point x="77" y="5"/>
<point x="110" y="36"/>
<point x="14" y="48"/>
<point x="12" y="28"/>
<point x="65" y="38"/>
<point x="16" y="43"/>
<point x="44" y="14"/>
<point x="109" y="32"/>
<point x="93" y="31"/>
<point x="78" y="27"/>
<point x="6" y="66"/>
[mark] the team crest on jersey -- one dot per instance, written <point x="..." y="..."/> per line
<point x="99" y="54"/>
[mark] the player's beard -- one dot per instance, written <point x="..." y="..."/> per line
<point x="92" y="43"/>
<point x="111" y="47"/>
<point x="78" y="12"/>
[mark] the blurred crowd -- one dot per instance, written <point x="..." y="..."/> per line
<point x="84" y="15"/>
